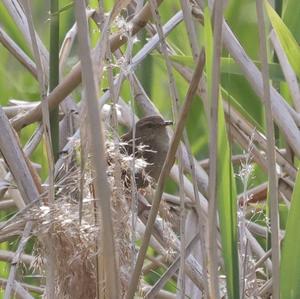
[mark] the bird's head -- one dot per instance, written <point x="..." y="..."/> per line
<point x="151" y="126"/>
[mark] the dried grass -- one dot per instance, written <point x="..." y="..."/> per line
<point x="75" y="243"/>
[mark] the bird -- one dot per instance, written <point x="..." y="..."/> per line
<point x="151" y="132"/>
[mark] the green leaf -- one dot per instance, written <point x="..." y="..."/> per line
<point x="9" y="26"/>
<point x="291" y="17"/>
<point x="229" y="66"/>
<point x="290" y="260"/>
<point x="226" y="187"/>
<point x="287" y="40"/>
<point x="63" y="9"/>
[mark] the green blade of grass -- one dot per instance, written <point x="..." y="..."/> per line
<point x="229" y="66"/>
<point x="54" y="73"/>
<point x="291" y="17"/>
<point x="287" y="40"/>
<point x="290" y="260"/>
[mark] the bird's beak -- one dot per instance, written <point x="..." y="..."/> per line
<point x="168" y="123"/>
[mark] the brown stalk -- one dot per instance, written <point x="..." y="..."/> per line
<point x="16" y="51"/>
<point x="175" y="107"/>
<point x="101" y="184"/>
<point x="24" y="174"/>
<point x="171" y="270"/>
<point x="16" y="260"/>
<point x="22" y="289"/>
<point x="271" y="159"/>
<point x="213" y="260"/>
<point x="6" y="255"/>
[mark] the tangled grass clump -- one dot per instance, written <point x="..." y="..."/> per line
<point x="72" y="246"/>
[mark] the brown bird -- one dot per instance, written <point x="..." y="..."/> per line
<point x="151" y="132"/>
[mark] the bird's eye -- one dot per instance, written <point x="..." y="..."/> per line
<point x="147" y="125"/>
